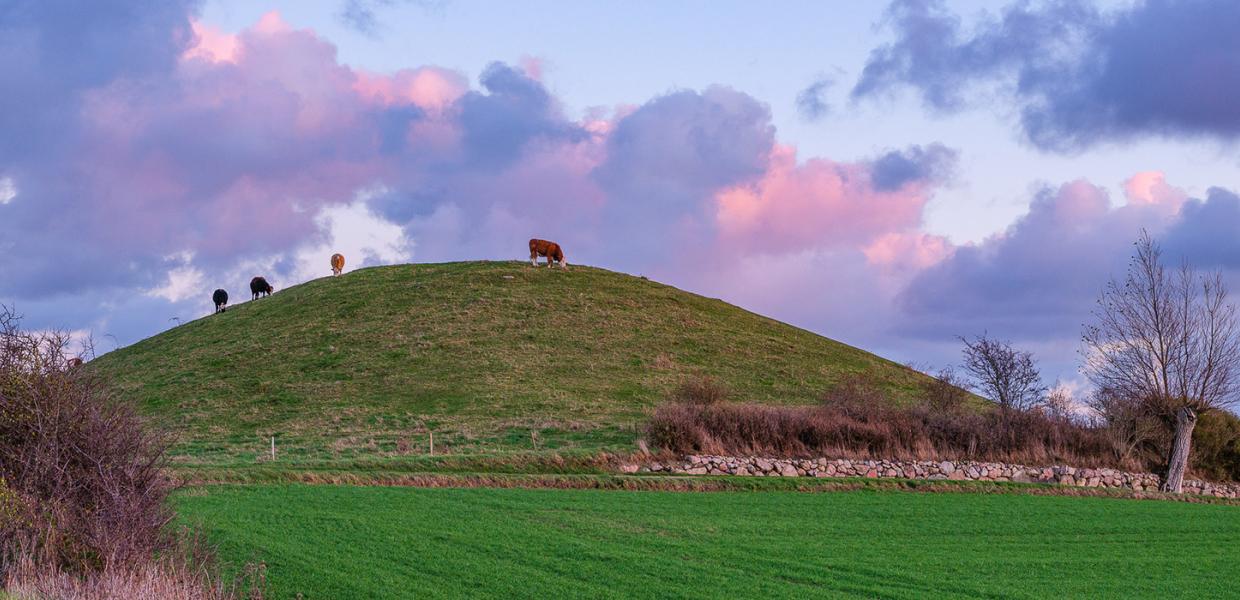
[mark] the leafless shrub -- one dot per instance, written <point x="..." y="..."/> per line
<point x="82" y="486"/>
<point x="852" y="429"/>
<point x="1130" y="426"/>
<point x="946" y="391"/>
<point x="700" y="389"/>
<point x="88" y="471"/>
<point x="1058" y="404"/>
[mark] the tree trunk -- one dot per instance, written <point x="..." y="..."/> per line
<point x="1185" y="420"/>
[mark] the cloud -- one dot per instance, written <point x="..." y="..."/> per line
<point x="1078" y="75"/>
<point x="515" y="110"/>
<point x="1038" y="279"/>
<point x="1208" y="231"/>
<point x="360" y="16"/>
<point x="675" y="150"/>
<point x="810" y="102"/>
<point x="8" y="190"/>
<point x="898" y="168"/>
<point x="183" y="281"/>
<point x="819" y="203"/>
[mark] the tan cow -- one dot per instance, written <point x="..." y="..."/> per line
<point x="337" y="264"/>
<point x="551" y="250"/>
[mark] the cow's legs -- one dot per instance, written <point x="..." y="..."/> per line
<point x="533" y="258"/>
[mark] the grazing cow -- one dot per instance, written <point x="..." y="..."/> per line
<point x="74" y="363"/>
<point x="337" y="264"/>
<point x="220" y="298"/>
<point x="260" y="287"/>
<point x="551" y="250"/>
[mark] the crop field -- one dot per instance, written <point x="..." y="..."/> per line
<point x="391" y="542"/>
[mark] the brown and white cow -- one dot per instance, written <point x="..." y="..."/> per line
<point x="337" y="264"/>
<point x="551" y="250"/>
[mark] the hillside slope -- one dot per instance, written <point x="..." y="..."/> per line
<point x="482" y="353"/>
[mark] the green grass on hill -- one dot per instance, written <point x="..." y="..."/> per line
<point x="379" y="542"/>
<point x="483" y="353"/>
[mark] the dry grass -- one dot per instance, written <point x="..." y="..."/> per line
<point x="855" y="421"/>
<point x="151" y="580"/>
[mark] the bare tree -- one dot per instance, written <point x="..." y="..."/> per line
<point x="1167" y="340"/>
<point x="1007" y="376"/>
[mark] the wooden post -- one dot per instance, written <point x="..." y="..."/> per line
<point x="534" y="439"/>
<point x="432" y="441"/>
<point x="273" y="447"/>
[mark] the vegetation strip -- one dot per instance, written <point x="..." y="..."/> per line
<point x="666" y="483"/>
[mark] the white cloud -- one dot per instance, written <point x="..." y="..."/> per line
<point x="8" y="190"/>
<point x="362" y="237"/>
<point x="184" y="281"/>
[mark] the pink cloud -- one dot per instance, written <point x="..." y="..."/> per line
<point x="211" y="44"/>
<point x="430" y="88"/>
<point x="819" y="203"/>
<point x="533" y="67"/>
<point x="1150" y="187"/>
<point x="907" y="251"/>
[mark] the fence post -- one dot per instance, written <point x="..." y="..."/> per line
<point x="273" y="447"/>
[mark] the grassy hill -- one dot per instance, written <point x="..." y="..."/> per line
<point x="490" y="356"/>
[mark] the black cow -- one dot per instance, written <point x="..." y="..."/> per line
<point x="260" y="287"/>
<point x="220" y="298"/>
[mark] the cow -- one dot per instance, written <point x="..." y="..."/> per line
<point x="551" y="250"/>
<point x="260" y="287"/>
<point x="337" y="264"/>
<point x="74" y="363"/>
<point x="220" y="298"/>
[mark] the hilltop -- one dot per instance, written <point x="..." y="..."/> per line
<point x="482" y="353"/>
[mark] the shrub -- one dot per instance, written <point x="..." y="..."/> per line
<point x="87" y="471"/>
<point x="701" y="389"/>
<point x="945" y="392"/>
<point x="1216" y="446"/>
<point x="83" y="510"/>
<point x="856" y="421"/>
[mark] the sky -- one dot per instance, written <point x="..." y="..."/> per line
<point x="889" y="174"/>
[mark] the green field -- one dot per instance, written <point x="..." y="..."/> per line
<point x="493" y="357"/>
<point x="389" y="542"/>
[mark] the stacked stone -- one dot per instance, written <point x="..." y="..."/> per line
<point x="916" y="469"/>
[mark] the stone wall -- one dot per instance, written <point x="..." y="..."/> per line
<point x="918" y="469"/>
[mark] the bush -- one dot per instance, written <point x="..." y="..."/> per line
<point x="85" y="474"/>
<point x="83" y="493"/>
<point x="856" y="421"/>
<point x="1216" y="446"/>
<point x="702" y="389"/>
